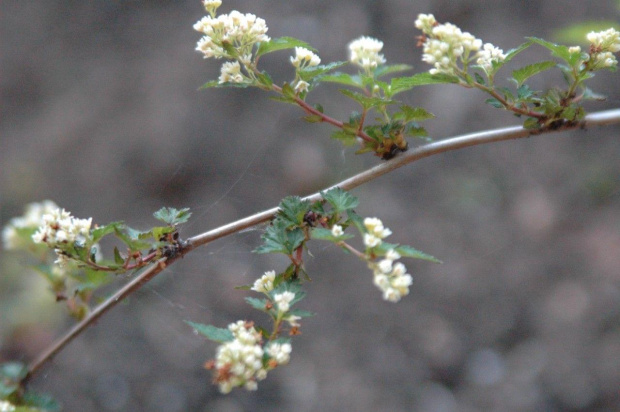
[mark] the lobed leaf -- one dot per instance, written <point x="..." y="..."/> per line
<point x="340" y="200"/>
<point x="524" y="73"/>
<point x="172" y="216"/>
<point x="409" y="114"/>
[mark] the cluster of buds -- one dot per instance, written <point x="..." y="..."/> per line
<point x="391" y="278"/>
<point x="282" y="301"/>
<point x="375" y="232"/>
<point x="445" y="46"/>
<point x="365" y="53"/>
<point x="15" y="234"/>
<point x="244" y="361"/>
<point x="237" y="30"/>
<point x="603" y="45"/>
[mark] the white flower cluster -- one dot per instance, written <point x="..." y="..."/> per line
<point x="59" y="228"/>
<point x="240" y="30"/>
<point x="376" y="232"/>
<point x="239" y="362"/>
<point x="391" y="278"/>
<point x="603" y="46"/>
<point x="265" y="283"/>
<point x="304" y="58"/>
<point x="31" y="219"/>
<point x="365" y="52"/>
<point x="488" y="55"/>
<point x="445" y="44"/>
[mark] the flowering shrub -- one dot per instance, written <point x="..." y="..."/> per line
<point x="380" y="125"/>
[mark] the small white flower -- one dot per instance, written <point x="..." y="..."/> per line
<point x="211" y="5"/>
<point x="337" y="231"/>
<point x="603" y="60"/>
<point x="265" y="283"/>
<point x="6" y="406"/>
<point x="371" y="240"/>
<point x="364" y="52"/>
<point x="385" y="266"/>
<point x="301" y="86"/>
<point x="283" y="300"/>
<point x="574" y="49"/>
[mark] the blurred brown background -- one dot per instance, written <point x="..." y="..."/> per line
<point x="100" y="112"/>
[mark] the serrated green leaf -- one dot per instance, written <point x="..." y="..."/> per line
<point x="557" y="50"/>
<point x="401" y="84"/>
<point x="311" y="72"/>
<point x="588" y="94"/>
<point x="365" y="101"/>
<point x="357" y="221"/>
<point x="495" y="103"/>
<point x="301" y="313"/>
<point x="524" y="73"/>
<point x="210" y="84"/>
<point x="281" y="43"/>
<point x="408" y="251"/>
<point x="409" y="114"/>
<point x="132" y="243"/>
<point x="172" y="216"/>
<point x="340" y="200"/>
<point x="343" y="78"/>
<point x="384" y="70"/>
<point x="277" y="239"/>
<point x="531" y="123"/>
<point x="292" y="210"/>
<point x="510" y="54"/>
<point x="211" y="332"/>
<point x="256" y="303"/>
<point x="348" y="139"/>
<point x="100" y="232"/>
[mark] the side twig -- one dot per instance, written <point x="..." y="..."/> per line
<point x="595" y="119"/>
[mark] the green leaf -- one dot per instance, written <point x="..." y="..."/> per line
<point x="292" y="210"/>
<point x="384" y="70"/>
<point x="320" y="233"/>
<point x="409" y="114"/>
<point x="557" y="50"/>
<point x="131" y="242"/>
<point x="301" y="313"/>
<point x="495" y="103"/>
<point x="405" y="251"/>
<point x="524" y="73"/>
<point x="100" y="232"/>
<point x="588" y="94"/>
<point x="172" y="216"/>
<point x="259" y="304"/>
<point x="277" y="239"/>
<point x="401" y="84"/>
<point x="347" y="138"/>
<point x="343" y="78"/>
<point x="210" y="84"/>
<point x="357" y="221"/>
<point x="531" y="123"/>
<point x="309" y="73"/>
<point x="365" y="101"/>
<point x="340" y="200"/>
<point x="510" y="54"/>
<point x="281" y="43"/>
<point x="220" y="335"/>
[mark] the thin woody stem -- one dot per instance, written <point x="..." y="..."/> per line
<point x="595" y="119"/>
